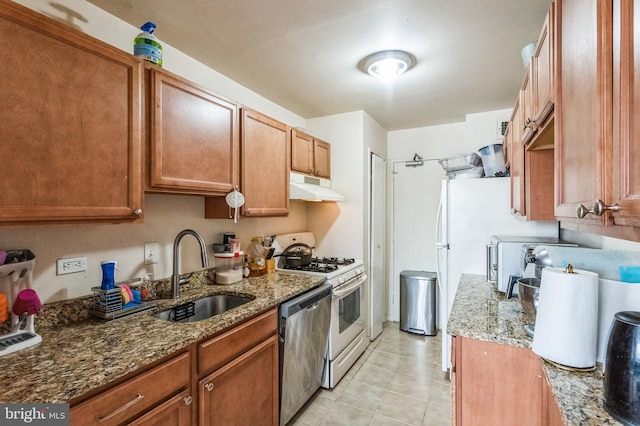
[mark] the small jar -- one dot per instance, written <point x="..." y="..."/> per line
<point x="147" y="291"/>
<point x="228" y="267"/>
<point x="257" y="261"/>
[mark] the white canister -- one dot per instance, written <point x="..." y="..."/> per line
<point x="229" y="267"/>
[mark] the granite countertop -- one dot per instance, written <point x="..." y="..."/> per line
<point x="481" y="312"/>
<point x="79" y="353"/>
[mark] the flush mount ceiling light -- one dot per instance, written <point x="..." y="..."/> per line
<point x="388" y="63"/>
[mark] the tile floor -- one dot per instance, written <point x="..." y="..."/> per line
<point x="397" y="381"/>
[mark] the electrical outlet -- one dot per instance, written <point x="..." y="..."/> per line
<point x="71" y="265"/>
<point x="151" y="253"/>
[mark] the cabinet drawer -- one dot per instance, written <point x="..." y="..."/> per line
<point x="124" y="402"/>
<point x="218" y="351"/>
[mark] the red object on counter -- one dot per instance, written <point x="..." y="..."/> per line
<point x="27" y="301"/>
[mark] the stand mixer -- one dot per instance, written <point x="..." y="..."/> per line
<point x="24" y="302"/>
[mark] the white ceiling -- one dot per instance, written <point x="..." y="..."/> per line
<point x="304" y="54"/>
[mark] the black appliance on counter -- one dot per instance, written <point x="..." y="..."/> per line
<point x="621" y="388"/>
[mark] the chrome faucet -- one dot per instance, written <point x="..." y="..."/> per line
<point x="175" y="277"/>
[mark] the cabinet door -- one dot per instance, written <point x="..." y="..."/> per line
<point x="517" y="160"/>
<point x="583" y="115"/>
<point x="527" y="102"/>
<point x="538" y="171"/>
<point x="243" y="392"/>
<point x="265" y="165"/>
<point x="626" y="148"/>
<point x="175" y="412"/>
<point x="321" y="158"/>
<point x="193" y="138"/>
<point x="301" y="152"/>
<point x="71" y="123"/>
<point x="552" y="416"/>
<point x="543" y="100"/>
<point x="497" y="384"/>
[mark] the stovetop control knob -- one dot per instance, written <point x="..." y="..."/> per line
<point x="342" y="279"/>
<point x="359" y="271"/>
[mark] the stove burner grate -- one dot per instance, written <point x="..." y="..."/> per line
<point x="332" y="260"/>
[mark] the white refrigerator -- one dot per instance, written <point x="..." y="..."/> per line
<point x="471" y="211"/>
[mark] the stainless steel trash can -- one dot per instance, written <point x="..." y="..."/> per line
<point x="418" y="302"/>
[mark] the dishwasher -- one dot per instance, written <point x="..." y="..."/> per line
<point x="303" y="334"/>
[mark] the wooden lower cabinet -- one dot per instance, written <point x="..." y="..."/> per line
<point x="238" y="371"/>
<point x="176" y="412"/>
<point x="146" y="398"/>
<point x="496" y="384"/>
<point x="243" y="392"/>
<point x="229" y="379"/>
<point x="551" y="412"/>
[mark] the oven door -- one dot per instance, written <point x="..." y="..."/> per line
<point x="347" y="314"/>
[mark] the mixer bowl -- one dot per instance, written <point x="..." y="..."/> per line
<point x="528" y="293"/>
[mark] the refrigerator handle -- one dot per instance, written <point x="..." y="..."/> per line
<point x="439" y="234"/>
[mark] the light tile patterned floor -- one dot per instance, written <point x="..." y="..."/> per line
<point x="397" y="381"/>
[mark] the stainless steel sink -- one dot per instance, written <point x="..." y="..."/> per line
<point x="203" y="308"/>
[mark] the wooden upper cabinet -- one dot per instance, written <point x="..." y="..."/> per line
<point x="265" y="165"/>
<point x="626" y="108"/>
<point x="527" y="95"/>
<point x="301" y="152"/>
<point x="194" y="144"/>
<point x="70" y="131"/>
<point x="583" y="114"/>
<point x="310" y="155"/>
<point x="264" y="172"/>
<point x="516" y="155"/>
<point x="543" y="66"/>
<point x="322" y="158"/>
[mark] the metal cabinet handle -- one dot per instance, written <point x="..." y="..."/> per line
<point x="582" y="211"/>
<point x="209" y="387"/>
<point x="528" y="123"/>
<point x="187" y="400"/>
<point x="137" y="399"/>
<point x="600" y="207"/>
<point x="137" y="212"/>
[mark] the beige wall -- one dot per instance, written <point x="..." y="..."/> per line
<point x="165" y="215"/>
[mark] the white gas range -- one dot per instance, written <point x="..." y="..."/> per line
<point x="347" y="335"/>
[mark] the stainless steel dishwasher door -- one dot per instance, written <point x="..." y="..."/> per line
<point x="304" y="330"/>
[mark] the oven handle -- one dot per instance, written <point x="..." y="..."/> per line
<point x="350" y="289"/>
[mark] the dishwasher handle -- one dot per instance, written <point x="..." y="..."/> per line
<point x="305" y="300"/>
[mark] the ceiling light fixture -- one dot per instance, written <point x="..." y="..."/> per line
<point x="388" y="64"/>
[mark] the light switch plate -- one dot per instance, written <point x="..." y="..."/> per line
<point x="151" y="253"/>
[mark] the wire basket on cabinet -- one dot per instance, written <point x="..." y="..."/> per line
<point x="460" y="162"/>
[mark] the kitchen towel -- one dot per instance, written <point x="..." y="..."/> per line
<point x="566" y="329"/>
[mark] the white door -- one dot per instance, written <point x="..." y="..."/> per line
<point x="377" y="241"/>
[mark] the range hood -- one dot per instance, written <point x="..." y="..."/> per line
<point x="309" y="188"/>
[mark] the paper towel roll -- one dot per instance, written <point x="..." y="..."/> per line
<point x="566" y="329"/>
